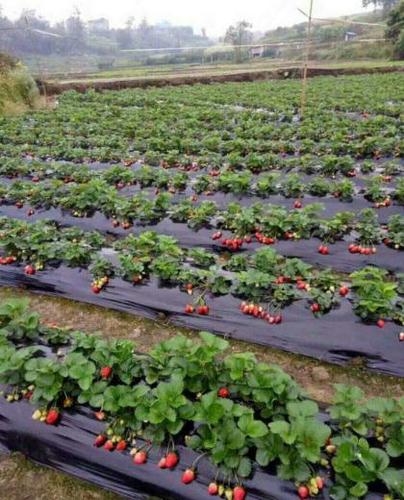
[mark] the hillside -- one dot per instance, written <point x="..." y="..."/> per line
<point x="329" y="38"/>
<point x="18" y="90"/>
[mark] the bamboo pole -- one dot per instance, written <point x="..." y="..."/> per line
<point x="306" y="60"/>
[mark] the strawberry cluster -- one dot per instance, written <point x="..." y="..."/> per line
<point x="202" y="309"/>
<point x="265" y="240"/>
<point x="258" y="312"/>
<point x="98" y="285"/>
<point x="7" y="260"/>
<point x="361" y="250"/>
<point x="233" y="244"/>
<point x="383" y="204"/>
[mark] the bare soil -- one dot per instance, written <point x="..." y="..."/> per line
<point x="53" y="88"/>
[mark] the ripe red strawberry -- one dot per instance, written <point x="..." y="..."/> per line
<point x="303" y="492"/>
<point x="401" y="336"/>
<point x="95" y="289"/>
<point x="213" y="489"/>
<point x="100" y="440"/>
<point x="343" y="291"/>
<point x="188" y="476"/>
<point x="106" y="372"/>
<point x="30" y="212"/>
<point x="301" y="285"/>
<point x="353" y="248"/>
<point x="171" y="460"/>
<point x="223" y="392"/>
<point x="315" y="308"/>
<point x="323" y="249"/>
<point x="29" y="270"/>
<point x="278" y="319"/>
<point x="122" y="445"/>
<point x="99" y="415"/>
<point x="52" y="417"/>
<point x="297" y="204"/>
<point x="239" y="493"/>
<point x="162" y="463"/>
<point x="189" y="309"/>
<point x="217" y="235"/>
<point x="109" y="445"/>
<point x="380" y="323"/>
<point x="320" y="482"/>
<point x="140" y="457"/>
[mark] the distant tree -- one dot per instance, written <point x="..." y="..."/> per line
<point x="386" y="5"/>
<point x="238" y="35"/>
<point x="31" y="34"/>
<point x="144" y="32"/>
<point x="75" y="31"/>
<point x="395" y="29"/>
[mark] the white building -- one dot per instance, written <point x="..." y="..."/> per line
<point x="256" y="51"/>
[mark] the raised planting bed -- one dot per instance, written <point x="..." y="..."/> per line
<point x="187" y="417"/>
<point x="258" y="296"/>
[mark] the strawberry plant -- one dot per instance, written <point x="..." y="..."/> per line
<point x="375" y="294"/>
<point x="395" y="232"/>
<point x="356" y="465"/>
<point x="267" y="184"/>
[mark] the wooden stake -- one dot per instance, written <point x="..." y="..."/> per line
<point x="306" y="61"/>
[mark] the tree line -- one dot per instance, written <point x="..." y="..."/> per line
<point x="33" y="34"/>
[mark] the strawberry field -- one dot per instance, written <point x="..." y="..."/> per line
<point x="222" y="209"/>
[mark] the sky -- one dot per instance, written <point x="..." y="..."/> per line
<point x="214" y="15"/>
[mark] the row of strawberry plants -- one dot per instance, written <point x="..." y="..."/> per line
<point x="271" y="221"/>
<point x="280" y="98"/>
<point x="229" y="408"/>
<point x="255" y="153"/>
<point x="263" y="279"/>
<point x="88" y="128"/>
<point x="225" y="180"/>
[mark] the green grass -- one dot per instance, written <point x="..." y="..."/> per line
<point x="18" y="92"/>
<point x="218" y="69"/>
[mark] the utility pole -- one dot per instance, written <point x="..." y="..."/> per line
<point x="306" y="60"/>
